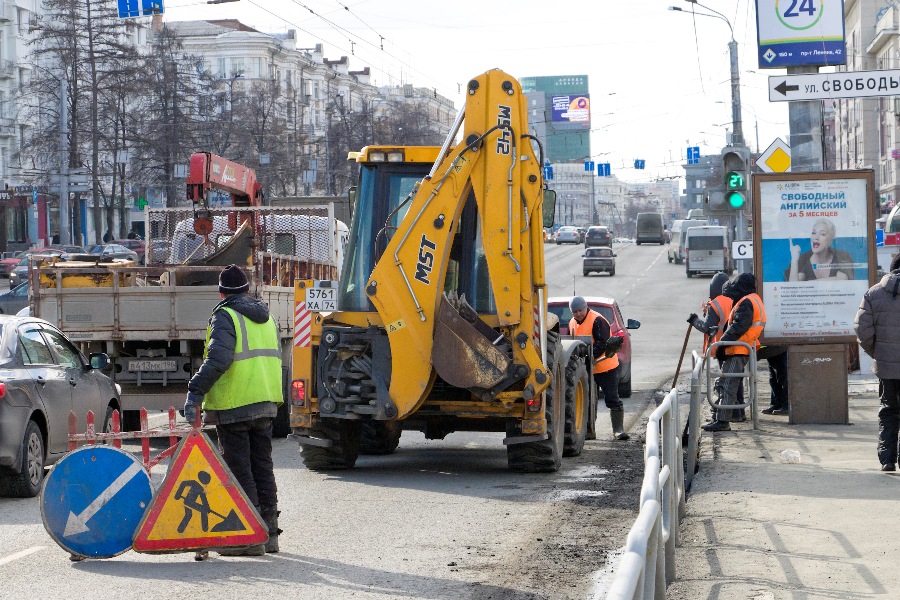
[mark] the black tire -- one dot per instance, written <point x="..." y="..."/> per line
<point x="545" y="456"/>
<point x="625" y="383"/>
<point x="107" y="419"/>
<point x="281" y="425"/>
<point x="380" y="437"/>
<point x="670" y="258"/>
<point x="27" y="483"/>
<point x="638" y="243"/>
<point x="612" y="273"/>
<point x="687" y="271"/>
<point x="585" y="273"/>
<point x="131" y="420"/>
<point x="578" y="409"/>
<point x="344" y="450"/>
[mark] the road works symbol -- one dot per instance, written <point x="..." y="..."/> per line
<point x="93" y="500"/>
<point x="199" y="505"/>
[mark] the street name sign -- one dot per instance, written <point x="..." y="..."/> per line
<point x="199" y="505"/>
<point x="93" y="500"/>
<point x="825" y="86"/>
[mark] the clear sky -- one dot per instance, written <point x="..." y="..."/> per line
<point x="659" y="79"/>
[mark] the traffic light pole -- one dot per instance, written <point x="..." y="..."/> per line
<point x="737" y="139"/>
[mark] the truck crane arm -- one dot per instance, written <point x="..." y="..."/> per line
<point x="208" y="171"/>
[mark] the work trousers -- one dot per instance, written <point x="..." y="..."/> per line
<point x="608" y="383"/>
<point x="888" y="420"/>
<point x="778" y="381"/>
<point x="247" y="449"/>
<point x="731" y="388"/>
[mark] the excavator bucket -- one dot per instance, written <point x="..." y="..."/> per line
<point x="462" y="353"/>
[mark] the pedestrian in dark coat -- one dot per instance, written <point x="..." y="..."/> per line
<point x="877" y="327"/>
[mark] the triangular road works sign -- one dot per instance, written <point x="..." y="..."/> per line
<point x="199" y="505"/>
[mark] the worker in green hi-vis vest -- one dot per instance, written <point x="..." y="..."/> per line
<point x="238" y="387"/>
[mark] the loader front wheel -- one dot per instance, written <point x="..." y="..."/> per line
<point x="344" y="450"/>
<point x="545" y="456"/>
<point x="380" y="437"/>
<point x="578" y="399"/>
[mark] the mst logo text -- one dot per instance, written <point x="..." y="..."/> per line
<point x="426" y="260"/>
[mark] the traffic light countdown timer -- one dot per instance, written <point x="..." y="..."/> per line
<point x="736" y="167"/>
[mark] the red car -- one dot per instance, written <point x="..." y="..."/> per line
<point x="618" y="326"/>
<point x="9" y="263"/>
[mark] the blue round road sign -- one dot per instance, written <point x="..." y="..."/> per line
<point x="93" y="500"/>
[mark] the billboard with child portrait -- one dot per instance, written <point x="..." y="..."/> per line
<point x="816" y="254"/>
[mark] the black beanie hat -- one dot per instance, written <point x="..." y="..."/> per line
<point x="895" y="262"/>
<point x="233" y="281"/>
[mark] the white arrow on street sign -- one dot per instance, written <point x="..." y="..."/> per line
<point x="78" y="523"/>
<point x="742" y="250"/>
<point x="824" y="86"/>
<point x="776" y="158"/>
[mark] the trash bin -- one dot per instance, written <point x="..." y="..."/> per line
<point x="817" y="384"/>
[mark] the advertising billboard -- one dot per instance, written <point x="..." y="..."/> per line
<point x="813" y="239"/>
<point x="794" y="33"/>
<point x="571" y="108"/>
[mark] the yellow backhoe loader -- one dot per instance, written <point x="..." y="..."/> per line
<point x="441" y="322"/>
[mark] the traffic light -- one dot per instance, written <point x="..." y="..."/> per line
<point x="736" y="161"/>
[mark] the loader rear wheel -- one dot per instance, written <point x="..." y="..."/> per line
<point x="578" y="399"/>
<point x="344" y="450"/>
<point x="380" y="437"/>
<point x="545" y="456"/>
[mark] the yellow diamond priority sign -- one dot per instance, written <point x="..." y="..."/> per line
<point x="199" y="505"/>
<point x="776" y="158"/>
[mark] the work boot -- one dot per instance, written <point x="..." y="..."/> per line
<point x="618" y="424"/>
<point x="270" y="518"/>
<point x="716" y="426"/>
<point x="254" y="550"/>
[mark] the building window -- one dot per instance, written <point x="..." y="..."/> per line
<point x="254" y="67"/>
<point x="237" y="67"/>
<point x="223" y="73"/>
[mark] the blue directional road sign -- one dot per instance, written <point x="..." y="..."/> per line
<point x="879" y="238"/>
<point x="548" y="171"/>
<point x="693" y="155"/>
<point x="588" y="165"/>
<point x="603" y="170"/>
<point x="139" y="8"/>
<point x="93" y="500"/>
<point x="638" y="163"/>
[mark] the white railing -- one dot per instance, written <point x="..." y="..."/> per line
<point x="648" y="564"/>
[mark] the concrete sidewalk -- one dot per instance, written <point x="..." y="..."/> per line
<point x="757" y="528"/>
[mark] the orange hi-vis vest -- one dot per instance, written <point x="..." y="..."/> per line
<point x="586" y="327"/>
<point x="722" y="306"/>
<point x="751" y="336"/>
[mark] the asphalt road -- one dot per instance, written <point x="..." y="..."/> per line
<point x="437" y="519"/>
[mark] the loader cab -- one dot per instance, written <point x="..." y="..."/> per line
<point x="381" y="199"/>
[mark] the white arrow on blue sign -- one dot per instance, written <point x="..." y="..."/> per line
<point x="139" y="8"/>
<point x="93" y="500"/>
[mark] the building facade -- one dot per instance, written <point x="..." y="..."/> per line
<point x="559" y="115"/>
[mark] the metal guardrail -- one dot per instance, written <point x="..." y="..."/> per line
<point x="648" y="565"/>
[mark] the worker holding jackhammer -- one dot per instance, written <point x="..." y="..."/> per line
<point x="587" y="322"/>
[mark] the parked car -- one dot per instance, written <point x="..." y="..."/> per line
<point x="609" y="308"/>
<point x="44" y="378"/>
<point x="14" y="300"/>
<point x="9" y="262"/>
<point x="598" y="235"/>
<point x="113" y="251"/>
<point x="136" y="246"/>
<point x="567" y="235"/>
<point x="19" y="274"/>
<point x="62" y="249"/>
<point x="159" y="250"/>
<point x="598" y="260"/>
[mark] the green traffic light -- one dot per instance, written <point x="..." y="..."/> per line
<point x="735" y="199"/>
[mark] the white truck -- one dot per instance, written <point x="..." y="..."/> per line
<point x="151" y="320"/>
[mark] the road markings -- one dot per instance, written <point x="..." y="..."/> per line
<point x="22" y="554"/>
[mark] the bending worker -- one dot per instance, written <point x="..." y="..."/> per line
<point x="745" y="324"/>
<point x="587" y="322"/>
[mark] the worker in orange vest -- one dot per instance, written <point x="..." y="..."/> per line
<point x="715" y="312"/>
<point x="745" y="324"/>
<point x="587" y="322"/>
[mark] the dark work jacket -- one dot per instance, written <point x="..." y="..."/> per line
<point x="742" y="314"/>
<point x="220" y="354"/>
<point x="600" y="333"/>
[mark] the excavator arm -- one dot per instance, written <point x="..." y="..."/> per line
<point x="426" y="327"/>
